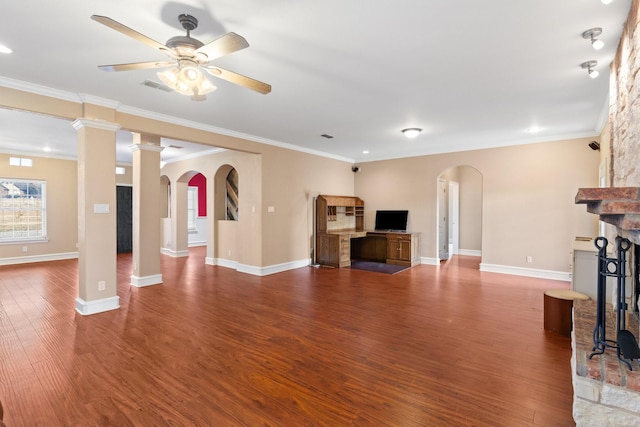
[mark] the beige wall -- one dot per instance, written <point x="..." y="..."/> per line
<point x="527" y="196"/>
<point x="282" y="179"/>
<point x="61" y="177"/>
<point x="470" y="219"/>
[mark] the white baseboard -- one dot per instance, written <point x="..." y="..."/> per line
<point x="197" y="244"/>
<point x="528" y="272"/>
<point x="258" y="271"/>
<point x="174" y="254"/>
<point x="97" y="306"/>
<point x="140" y="282"/>
<point x="429" y="260"/>
<point x="469" y="252"/>
<point x="38" y="258"/>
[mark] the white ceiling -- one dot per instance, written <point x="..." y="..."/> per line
<point x="472" y="74"/>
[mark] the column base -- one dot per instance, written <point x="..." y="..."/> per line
<point x="97" y="306"/>
<point x="140" y="282"/>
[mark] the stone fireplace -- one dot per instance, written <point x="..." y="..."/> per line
<point x="607" y="393"/>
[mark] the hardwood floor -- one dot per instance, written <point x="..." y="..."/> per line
<point x="430" y="346"/>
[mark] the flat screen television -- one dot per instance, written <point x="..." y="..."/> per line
<point x="392" y="220"/>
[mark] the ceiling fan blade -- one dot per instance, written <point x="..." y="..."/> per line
<point x="136" y="66"/>
<point x="239" y="79"/>
<point x="129" y="32"/>
<point x="223" y="45"/>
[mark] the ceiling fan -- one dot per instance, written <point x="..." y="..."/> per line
<point x="188" y="57"/>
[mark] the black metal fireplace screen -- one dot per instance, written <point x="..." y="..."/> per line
<point x="625" y="344"/>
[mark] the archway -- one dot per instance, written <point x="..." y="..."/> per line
<point x="459" y="208"/>
<point x="226" y="214"/>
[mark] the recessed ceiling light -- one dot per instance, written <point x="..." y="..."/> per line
<point x="47" y="149"/>
<point x="534" y="129"/>
<point x="4" y="49"/>
<point x="365" y="151"/>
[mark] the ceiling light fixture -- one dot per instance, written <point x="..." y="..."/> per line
<point x="411" y="132"/>
<point x="606" y="1"/>
<point x="187" y="79"/>
<point x="5" y="49"/>
<point x="589" y="65"/>
<point x="591" y="34"/>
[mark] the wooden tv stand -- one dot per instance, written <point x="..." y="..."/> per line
<point x="391" y="247"/>
<point x="340" y="236"/>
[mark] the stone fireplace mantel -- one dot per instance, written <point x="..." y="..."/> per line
<point x="618" y="206"/>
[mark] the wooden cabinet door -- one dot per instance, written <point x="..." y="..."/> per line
<point x="393" y="248"/>
<point x="328" y="250"/>
<point x="404" y="250"/>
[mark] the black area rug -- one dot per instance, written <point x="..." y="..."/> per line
<point x="377" y="267"/>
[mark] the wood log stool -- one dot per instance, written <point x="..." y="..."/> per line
<point x="558" y="305"/>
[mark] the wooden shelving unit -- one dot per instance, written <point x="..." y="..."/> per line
<point x="340" y="232"/>
<point x="338" y="220"/>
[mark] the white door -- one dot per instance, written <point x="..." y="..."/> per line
<point x="443" y="228"/>
<point x="454" y="214"/>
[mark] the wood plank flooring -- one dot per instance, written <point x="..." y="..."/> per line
<point x="430" y="346"/>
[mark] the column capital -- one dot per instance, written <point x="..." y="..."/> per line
<point x="145" y="147"/>
<point x="95" y="124"/>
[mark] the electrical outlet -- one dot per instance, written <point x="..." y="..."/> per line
<point x="529" y="258"/>
<point x="229" y="252"/>
<point x="102" y="285"/>
<point x="24" y="249"/>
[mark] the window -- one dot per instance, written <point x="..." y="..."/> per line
<point x="19" y="161"/>
<point x="22" y="210"/>
<point x="192" y="207"/>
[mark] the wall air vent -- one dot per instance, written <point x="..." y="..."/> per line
<point x="156" y="85"/>
<point x="326" y="135"/>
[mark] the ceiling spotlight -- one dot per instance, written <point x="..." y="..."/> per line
<point x="589" y="65"/>
<point x="411" y="132"/>
<point x="591" y="34"/>
<point x="606" y="1"/>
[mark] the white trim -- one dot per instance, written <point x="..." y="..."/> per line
<point x="469" y="252"/>
<point x="139" y="282"/>
<point x="95" y="124"/>
<point x="145" y="147"/>
<point x="97" y="306"/>
<point x="227" y="263"/>
<point x="221" y="131"/>
<point x="258" y="271"/>
<point x="197" y="243"/>
<point x="174" y="254"/>
<point x="278" y="268"/>
<point x="39" y="90"/>
<point x="429" y="261"/>
<point x="38" y="258"/>
<point x="528" y="272"/>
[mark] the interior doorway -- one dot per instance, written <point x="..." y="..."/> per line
<point x="459" y="212"/>
<point x="124" y="219"/>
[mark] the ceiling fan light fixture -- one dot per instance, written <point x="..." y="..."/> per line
<point x="411" y="132"/>
<point x="187" y="79"/>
